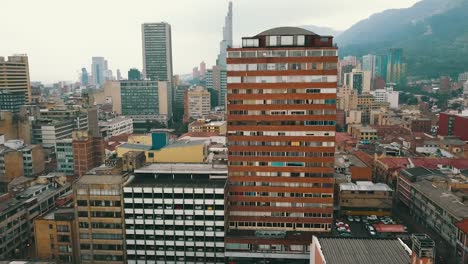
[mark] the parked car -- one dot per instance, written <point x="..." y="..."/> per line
<point x="372" y="218"/>
<point x="350" y="219"/>
<point x="357" y="219"/>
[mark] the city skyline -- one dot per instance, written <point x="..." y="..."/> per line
<point x="79" y="39"/>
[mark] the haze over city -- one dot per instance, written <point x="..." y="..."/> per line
<point x="52" y="32"/>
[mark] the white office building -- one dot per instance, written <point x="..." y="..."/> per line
<point x="116" y="126"/>
<point x="174" y="213"/>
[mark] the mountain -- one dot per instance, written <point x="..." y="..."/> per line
<point x="433" y="34"/>
<point x="326" y="31"/>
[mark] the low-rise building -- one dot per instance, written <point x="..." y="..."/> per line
<point x="88" y="152"/>
<point x="362" y="133"/>
<point x="462" y="241"/>
<point x="197" y="103"/>
<point x="365" y="198"/>
<point x="359" y="251"/>
<point x="64" y="153"/>
<point x="205" y="126"/>
<point x="174" y="213"/>
<point x="351" y="166"/>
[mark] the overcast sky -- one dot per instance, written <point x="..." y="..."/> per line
<point x="60" y="37"/>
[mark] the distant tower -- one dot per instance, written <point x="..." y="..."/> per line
<point x="84" y="77"/>
<point x="202" y="69"/>
<point x="134" y="74"/>
<point x="195" y="73"/>
<point x="227" y="38"/>
<point x="119" y="75"/>
<point x="423" y="249"/>
<point x="99" y="70"/>
<point x="157" y="51"/>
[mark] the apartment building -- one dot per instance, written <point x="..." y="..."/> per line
<point x="116" y="126"/>
<point x="281" y="116"/>
<point x="365" y="198"/>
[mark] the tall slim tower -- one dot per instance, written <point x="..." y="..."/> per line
<point x="227" y="38"/>
<point x="157" y="51"/>
<point x="395" y="66"/>
<point x="99" y="70"/>
<point x="281" y="116"/>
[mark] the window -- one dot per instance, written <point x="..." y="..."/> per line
<point x="287" y="40"/>
<point x="272" y="40"/>
<point x="301" y="40"/>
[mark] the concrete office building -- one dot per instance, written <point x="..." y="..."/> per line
<point x="146" y="100"/>
<point x="281" y="131"/>
<point x="14" y="81"/>
<point x="174" y="213"/>
<point x="99" y="214"/>
<point x="387" y="95"/>
<point x="64" y="153"/>
<point x="368" y="64"/>
<point x="116" y="126"/>
<point x="358" y="80"/>
<point x="216" y="79"/>
<point x="365" y="198"/>
<point x="157" y="51"/>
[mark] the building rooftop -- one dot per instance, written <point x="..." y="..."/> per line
<point x="135" y="146"/>
<point x="182" y="180"/>
<point x="114" y="121"/>
<point x="443" y="198"/>
<point x="348" y="160"/>
<point x="182" y="143"/>
<point x="363" y="251"/>
<point x="52" y="215"/>
<point x="183" y="168"/>
<point x="364" y="186"/>
<point x="101" y="179"/>
<point x="286" y="31"/>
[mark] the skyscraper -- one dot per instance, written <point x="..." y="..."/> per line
<point x="381" y="66"/>
<point x="202" y="69"/>
<point x="395" y="66"/>
<point x="119" y="75"/>
<point x="15" y="86"/>
<point x="84" y="77"/>
<point x="227" y="38"/>
<point x="368" y="64"/>
<point x="157" y="51"/>
<point x="134" y="74"/>
<point x="281" y="132"/>
<point x="99" y="70"/>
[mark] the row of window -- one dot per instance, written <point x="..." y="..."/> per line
<point x="282" y="164"/>
<point x="100" y="247"/>
<point x="282" y="66"/>
<point x="101" y="236"/>
<point x="88" y="257"/>
<point x="283" y="133"/>
<point x="100" y="225"/>
<point x="175" y="259"/>
<point x="283" y="91"/>
<point x="100" y="192"/>
<point x="281" y="154"/>
<point x="284" y="102"/>
<point x="175" y="206"/>
<point x="286" y="194"/>
<point x="284" y="112"/>
<point x="282" y="79"/>
<point x="175" y="217"/>
<point x="172" y="248"/>
<point x="281" y="174"/>
<point x="181" y="238"/>
<point x="281" y="214"/>
<point x="172" y="195"/>
<point x="172" y="228"/>
<point x="282" y="53"/>
<point x="283" y="143"/>
<point x="286" y="184"/>
<point x="100" y="214"/>
<point x="99" y="203"/>
<point x="282" y="225"/>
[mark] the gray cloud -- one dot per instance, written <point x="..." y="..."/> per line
<point x="60" y="36"/>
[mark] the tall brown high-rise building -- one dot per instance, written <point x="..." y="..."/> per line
<point x="281" y="131"/>
<point x="15" y="86"/>
<point x="88" y="152"/>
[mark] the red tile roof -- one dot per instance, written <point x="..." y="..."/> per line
<point x="463" y="225"/>
<point x="428" y="163"/>
<point x="343" y="137"/>
<point x="364" y="157"/>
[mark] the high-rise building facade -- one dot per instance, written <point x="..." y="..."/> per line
<point x="64" y="153"/>
<point x="157" y="51"/>
<point x="381" y="66"/>
<point x="197" y="102"/>
<point x="358" y="80"/>
<point x="395" y="65"/>
<point x="281" y="116"/>
<point x="146" y="100"/>
<point x="15" y="86"/>
<point x="368" y="64"/>
<point x="84" y="77"/>
<point x="227" y="38"/>
<point x="216" y="79"/>
<point x="174" y="213"/>
<point x="134" y="74"/>
<point x="99" y="215"/>
<point x="99" y="70"/>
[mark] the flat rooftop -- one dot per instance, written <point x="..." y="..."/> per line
<point x="183" y="168"/>
<point x="342" y="160"/>
<point x="365" y="186"/>
<point x="101" y="179"/>
<point x="114" y="121"/>
<point x="363" y="251"/>
<point x="445" y="199"/>
<point x="51" y="215"/>
<point x="199" y="181"/>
